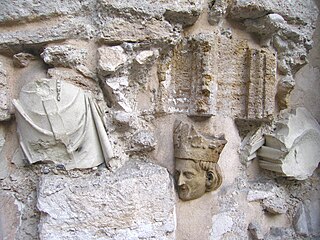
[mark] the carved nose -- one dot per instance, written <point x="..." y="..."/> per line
<point x="181" y="180"/>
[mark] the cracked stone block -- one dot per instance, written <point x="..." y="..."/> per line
<point x="127" y="204"/>
<point x="292" y="150"/>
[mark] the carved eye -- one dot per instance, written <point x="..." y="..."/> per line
<point x="188" y="175"/>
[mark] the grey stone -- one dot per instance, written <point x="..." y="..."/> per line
<point x="217" y="10"/>
<point x="279" y="233"/>
<point x="20" y="11"/>
<point x="73" y="28"/>
<point x="143" y="141"/>
<point x="265" y="25"/>
<point x="63" y="55"/>
<point x="110" y="59"/>
<point x="307" y="218"/>
<point x="184" y="12"/>
<point x="116" y="29"/>
<point x="275" y="205"/>
<point x="136" y="202"/>
<point x="255" y="230"/>
<point x="9" y="216"/>
<point x="4" y="95"/>
<point x="22" y="59"/>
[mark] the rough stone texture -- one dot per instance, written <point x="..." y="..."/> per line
<point x="4" y="95"/>
<point x="188" y="85"/>
<point x="4" y="169"/>
<point x="250" y="82"/>
<point x="110" y="59"/>
<point x="183" y="12"/>
<point x="292" y="149"/>
<point x="288" y="26"/>
<point x="9" y="216"/>
<point x="128" y="204"/>
<point x="22" y="59"/>
<point x="307" y="218"/>
<point x="63" y="55"/>
<point x="20" y="11"/>
<point x="222" y="224"/>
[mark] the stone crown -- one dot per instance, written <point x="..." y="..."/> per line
<point x="189" y="144"/>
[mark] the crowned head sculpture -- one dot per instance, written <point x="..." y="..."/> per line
<point x="196" y="161"/>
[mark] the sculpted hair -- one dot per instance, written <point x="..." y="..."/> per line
<point x="214" y="174"/>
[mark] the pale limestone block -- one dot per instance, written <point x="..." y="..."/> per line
<point x="110" y="59"/>
<point x="222" y="224"/>
<point x="293" y="148"/>
<point x="136" y="202"/>
<point x="144" y="57"/>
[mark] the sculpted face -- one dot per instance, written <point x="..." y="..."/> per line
<point x="190" y="180"/>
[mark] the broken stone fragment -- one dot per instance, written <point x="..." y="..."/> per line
<point x="63" y="55"/>
<point x="110" y="59"/>
<point x="136" y="202"/>
<point x="144" y="57"/>
<point x="293" y="148"/>
<point x="22" y="59"/>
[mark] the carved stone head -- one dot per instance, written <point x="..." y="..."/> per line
<point x="196" y="157"/>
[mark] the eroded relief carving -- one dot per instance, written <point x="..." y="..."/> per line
<point x="196" y="161"/>
<point x="61" y="123"/>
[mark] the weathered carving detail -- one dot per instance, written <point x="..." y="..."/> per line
<point x="59" y="122"/>
<point x="196" y="156"/>
<point x="191" y="77"/>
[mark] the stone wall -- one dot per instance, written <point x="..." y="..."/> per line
<point x="227" y="67"/>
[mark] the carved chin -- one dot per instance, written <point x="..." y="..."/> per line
<point x="184" y="193"/>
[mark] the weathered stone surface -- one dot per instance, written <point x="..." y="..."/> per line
<point x="37" y="34"/>
<point x="4" y="95"/>
<point x="63" y="55"/>
<point x="115" y="29"/>
<point x="188" y="85"/>
<point x="217" y="10"/>
<point x="143" y="141"/>
<point x="292" y="149"/>
<point x="222" y="224"/>
<point x="4" y="169"/>
<point x="110" y="59"/>
<point x="144" y="57"/>
<point x="21" y="11"/>
<point x="307" y="218"/>
<point x="250" y="82"/>
<point x="255" y="230"/>
<point x="278" y="233"/>
<point x="22" y="59"/>
<point x="128" y="204"/>
<point x="9" y="216"/>
<point x="182" y="12"/>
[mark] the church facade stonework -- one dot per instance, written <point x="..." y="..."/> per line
<point x="148" y="119"/>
